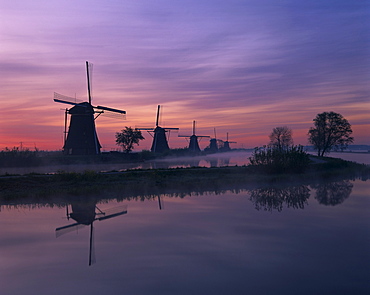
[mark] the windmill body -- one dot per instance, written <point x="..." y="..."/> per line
<point x="226" y="144"/>
<point x="82" y="138"/>
<point x="194" y="144"/>
<point x="160" y="143"/>
<point x="214" y="144"/>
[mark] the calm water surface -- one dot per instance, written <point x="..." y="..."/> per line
<point x="272" y="240"/>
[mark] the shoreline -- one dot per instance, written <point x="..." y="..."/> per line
<point x="153" y="182"/>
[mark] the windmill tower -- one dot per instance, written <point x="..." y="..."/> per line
<point x="226" y="143"/>
<point x="85" y="214"/>
<point x="81" y="138"/>
<point x="160" y="140"/>
<point x="214" y="144"/>
<point x="193" y="140"/>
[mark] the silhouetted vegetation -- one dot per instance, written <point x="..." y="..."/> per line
<point x="273" y="159"/>
<point x="281" y="137"/>
<point x="331" y="131"/>
<point x="128" y="137"/>
<point x="19" y="157"/>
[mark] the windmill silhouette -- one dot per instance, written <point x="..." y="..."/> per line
<point x="214" y="144"/>
<point x="81" y="138"/>
<point x="193" y="140"/>
<point x="226" y="144"/>
<point x="85" y="214"/>
<point x="160" y="140"/>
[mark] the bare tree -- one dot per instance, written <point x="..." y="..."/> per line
<point x="281" y="137"/>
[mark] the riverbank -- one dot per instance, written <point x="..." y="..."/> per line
<point x="153" y="182"/>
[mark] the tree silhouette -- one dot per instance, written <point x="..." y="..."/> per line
<point x="281" y="137"/>
<point x="128" y="137"/>
<point x="331" y="131"/>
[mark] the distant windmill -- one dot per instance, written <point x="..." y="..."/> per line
<point x="160" y="141"/>
<point x="82" y="138"/>
<point x="226" y="143"/>
<point x="85" y="214"/>
<point x="214" y="144"/>
<point x="193" y="140"/>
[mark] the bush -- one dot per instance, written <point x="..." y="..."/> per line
<point x="292" y="159"/>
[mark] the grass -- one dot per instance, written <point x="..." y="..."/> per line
<point x="180" y="181"/>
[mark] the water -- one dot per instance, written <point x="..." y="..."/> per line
<point x="301" y="239"/>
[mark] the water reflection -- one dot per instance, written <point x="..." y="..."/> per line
<point x="218" y="239"/>
<point x="85" y="213"/>
<point x="333" y="193"/>
<point x="274" y="198"/>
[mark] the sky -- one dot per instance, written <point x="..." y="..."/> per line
<point x="236" y="67"/>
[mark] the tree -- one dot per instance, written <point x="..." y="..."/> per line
<point x="128" y="137"/>
<point x="331" y="131"/>
<point x="281" y="137"/>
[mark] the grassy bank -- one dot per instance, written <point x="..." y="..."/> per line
<point x="169" y="181"/>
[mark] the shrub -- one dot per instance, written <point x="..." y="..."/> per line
<point x="271" y="159"/>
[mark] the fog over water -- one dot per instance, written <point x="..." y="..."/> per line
<point x="212" y="160"/>
<point x="233" y="158"/>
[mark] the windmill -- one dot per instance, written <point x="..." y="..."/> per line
<point x="214" y="144"/>
<point x="226" y="143"/>
<point x="81" y="138"/>
<point x="160" y="140"/>
<point x="193" y="140"/>
<point x="85" y="215"/>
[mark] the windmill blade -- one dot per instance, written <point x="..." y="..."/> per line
<point x="113" y="212"/>
<point x="68" y="228"/>
<point x="65" y="99"/>
<point x="89" y="78"/>
<point x="110" y="110"/>
<point x="184" y="135"/>
<point x="92" y="258"/>
<point x="114" y="115"/>
<point x="171" y="128"/>
<point x="157" y="118"/>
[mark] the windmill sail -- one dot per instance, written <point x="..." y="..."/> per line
<point x="68" y="228"/>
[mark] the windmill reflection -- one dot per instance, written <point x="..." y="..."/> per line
<point x="85" y="213"/>
<point x="333" y="193"/>
<point x="274" y="198"/>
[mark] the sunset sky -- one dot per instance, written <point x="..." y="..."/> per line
<point x="242" y="67"/>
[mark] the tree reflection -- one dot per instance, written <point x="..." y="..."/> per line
<point x="274" y="198"/>
<point x="333" y="193"/>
